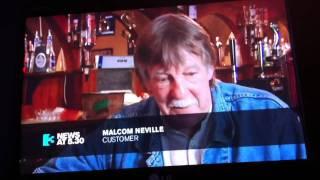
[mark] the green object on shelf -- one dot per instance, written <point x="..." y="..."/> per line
<point x="101" y="105"/>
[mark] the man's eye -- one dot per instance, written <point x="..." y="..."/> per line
<point x="162" y="79"/>
<point x="190" y="73"/>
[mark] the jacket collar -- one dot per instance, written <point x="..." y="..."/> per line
<point x="223" y="128"/>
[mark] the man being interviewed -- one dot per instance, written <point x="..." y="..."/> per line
<point x="206" y="121"/>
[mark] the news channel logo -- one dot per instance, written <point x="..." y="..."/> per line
<point x="48" y="140"/>
<point x="62" y="139"/>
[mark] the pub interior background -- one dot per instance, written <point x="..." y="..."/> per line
<point x="87" y="70"/>
<point x="70" y="86"/>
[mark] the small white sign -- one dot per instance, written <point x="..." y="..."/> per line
<point x="114" y="62"/>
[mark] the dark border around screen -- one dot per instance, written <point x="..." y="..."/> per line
<point x="302" y="18"/>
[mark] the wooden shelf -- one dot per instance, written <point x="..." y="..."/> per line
<point x="229" y="68"/>
<point x="49" y="74"/>
<point x="221" y="68"/>
<point x="40" y="74"/>
<point x="107" y="92"/>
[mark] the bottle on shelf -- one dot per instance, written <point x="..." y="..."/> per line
<point x="218" y="46"/>
<point x="285" y="46"/>
<point x="90" y="35"/>
<point x="26" y="55"/>
<point x="88" y="41"/>
<point x="31" y="56"/>
<point x="266" y="48"/>
<point x="100" y="24"/>
<point x="50" y="53"/>
<point x="40" y="58"/>
<point x="37" y="41"/>
<point x="193" y="14"/>
<point x="76" y="33"/>
<point x="69" y="34"/>
<point x="49" y="45"/>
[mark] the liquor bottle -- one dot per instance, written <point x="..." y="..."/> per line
<point x="180" y="9"/>
<point x="40" y="58"/>
<point x="90" y="31"/>
<point x="246" y="18"/>
<point x="219" y="49"/>
<point x="101" y="24"/>
<point x="49" y="45"/>
<point x="258" y="30"/>
<point x="31" y="56"/>
<point x="26" y="55"/>
<point x="256" y="51"/>
<point x="245" y="32"/>
<point x="52" y="61"/>
<point x="37" y="41"/>
<point x="285" y="46"/>
<point x="69" y="34"/>
<point x="266" y="48"/>
<point x="76" y="33"/>
<point x="89" y="41"/>
<point x="193" y="14"/>
<point x="251" y="35"/>
<point x="50" y="53"/>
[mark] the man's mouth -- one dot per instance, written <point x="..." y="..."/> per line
<point x="181" y="104"/>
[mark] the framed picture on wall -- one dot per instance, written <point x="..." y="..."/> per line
<point x="105" y="25"/>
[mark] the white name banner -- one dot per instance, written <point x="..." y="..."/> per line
<point x="114" y="62"/>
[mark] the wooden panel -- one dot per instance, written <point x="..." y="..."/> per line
<point x="114" y="79"/>
<point x="48" y="94"/>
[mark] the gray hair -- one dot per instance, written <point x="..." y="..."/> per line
<point x="161" y="39"/>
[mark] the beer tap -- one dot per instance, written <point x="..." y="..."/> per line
<point x="87" y="42"/>
<point x="233" y="56"/>
<point x="261" y="59"/>
<point x="276" y="43"/>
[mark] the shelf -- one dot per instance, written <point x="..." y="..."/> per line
<point x="229" y="68"/>
<point x="221" y="68"/>
<point x="36" y="74"/>
<point x="108" y="92"/>
<point x="39" y="121"/>
<point x="49" y="74"/>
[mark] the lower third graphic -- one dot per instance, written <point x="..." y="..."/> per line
<point x="47" y="140"/>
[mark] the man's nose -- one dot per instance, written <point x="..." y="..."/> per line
<point x="178" y="89"/>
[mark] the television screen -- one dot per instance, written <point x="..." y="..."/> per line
<point x="188" y="84"/>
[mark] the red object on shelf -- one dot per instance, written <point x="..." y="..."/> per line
<point x="71" y="115"/>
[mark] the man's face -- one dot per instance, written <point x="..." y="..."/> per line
<point x="183" y="89"/>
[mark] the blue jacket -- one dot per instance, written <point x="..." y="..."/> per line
<point x="227" y="98"/>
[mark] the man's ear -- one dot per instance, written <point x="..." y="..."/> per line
<point x="146" y="85"/>
<point x="210" y="72"/>
<point x="144" y="82"/>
